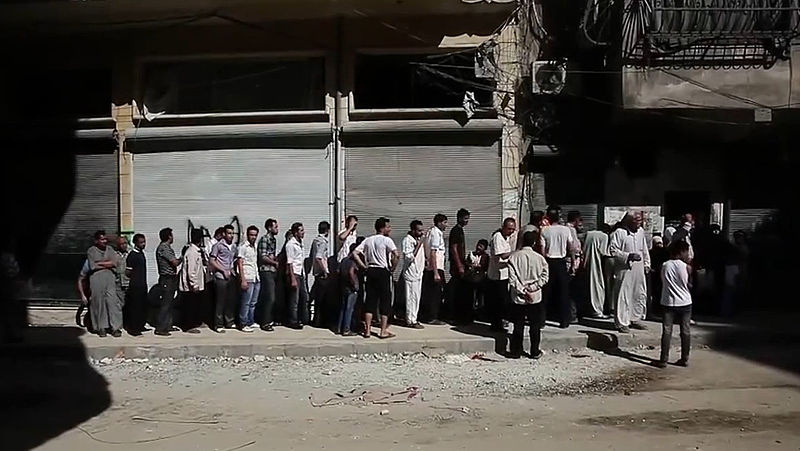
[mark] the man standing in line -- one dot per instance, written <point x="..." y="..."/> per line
<point x="192" y="284"/>
<point x="350" y="283"/>
<point x="433" y="279"/>
<point x="574" y="223"/>
<point x="167" y="264"/>
<point x="247" y="261"/>
<point x="527" y="275"/>
<point x="534" y="225"/>
<point x="596" y="248"/>
<point x="413" y="268"/>
<point x="268" y="267"/>
<point x="628" y="247"/>
<point x="136" y="302"/>
<point x="462" y="292"/>
<point x="497" y="274"/>
<point x="558" y="244"/>
<point x="347" y="237"/>
<point x="319" y="265"/>
<point x="297" y="294"/>
<point x="221" y="264"/>
<point x="378" y="255"/>
<point x="105" y="307"/>
<point x="121" y="248"/>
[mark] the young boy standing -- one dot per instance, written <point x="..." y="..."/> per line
<point x="677" y="302"/>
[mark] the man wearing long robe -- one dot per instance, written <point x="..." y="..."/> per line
<point x="596" y="252"/>
<point x="628" y="247"/>
<point x="105" y="307"/>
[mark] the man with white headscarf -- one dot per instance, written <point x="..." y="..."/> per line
<point x="629" y="249"/>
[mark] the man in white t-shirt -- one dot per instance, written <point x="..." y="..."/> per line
<point x="498" y="297"/>
<point x="677" y="302"/>
<point x="413" y="267"/>
<point x="347" y="237"/>
<point x="558" y="245"/>
<point x="297" y="294"/>
<point x="378" y="256"/>
<point x="433" y="279"/>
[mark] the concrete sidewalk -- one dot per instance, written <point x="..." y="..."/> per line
<point x="52" y="334"/>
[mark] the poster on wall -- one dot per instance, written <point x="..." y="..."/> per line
<point x="652" y="221"/>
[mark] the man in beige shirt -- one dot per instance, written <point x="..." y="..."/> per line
<point x="527" y="275"/>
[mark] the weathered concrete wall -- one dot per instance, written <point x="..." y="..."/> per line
<point x="776" y="87"/>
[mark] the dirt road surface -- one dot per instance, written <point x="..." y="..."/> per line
<point x="581" y="400"/>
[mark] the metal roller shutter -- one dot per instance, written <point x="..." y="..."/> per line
<point x="588" y="214"/>
<point x="748" y="219"/>
<point x="209" y="187"/>
<point x="416" y="182"/>
<point x="94" y="206"/>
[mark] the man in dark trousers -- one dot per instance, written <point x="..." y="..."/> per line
<point x="167" y="264"/>
<point x="221" y="262"/>
<point x="462" y="295"/>
<point x="136" y="301"/>
<point x="558" y="245"/>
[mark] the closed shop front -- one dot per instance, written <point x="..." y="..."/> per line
<point x="211" y="187"/>
<point x="416" y="181"/>
<point x="94" y="206"/>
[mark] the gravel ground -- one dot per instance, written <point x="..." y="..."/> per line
<point x="565" y="373"/>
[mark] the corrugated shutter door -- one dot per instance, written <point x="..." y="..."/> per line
<point x="94" y="206"/>
<point x="416" y="182"/>
<point x="209" y="187"/>
<point x="588" y="214"/>
<point x="748" y="219"/>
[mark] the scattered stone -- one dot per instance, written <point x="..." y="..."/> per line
<point x="259" y="358"/>
<point x="385" y="412"/>
<point x="106" y="361"/>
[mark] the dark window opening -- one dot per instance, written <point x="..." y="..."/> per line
<point x="235" y="86"/>
<point x="59" y="93"/>
<point x="418" y="81"/>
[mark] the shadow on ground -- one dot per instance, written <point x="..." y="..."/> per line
<point x="46" y="394"/>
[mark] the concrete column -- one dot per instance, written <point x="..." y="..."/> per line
<point x="123" y="117"/>
<point x="511" y="141"/>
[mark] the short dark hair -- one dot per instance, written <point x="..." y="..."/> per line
<point x="536" y="216"/>
<point x="678" y="247"/>
<point x="252" y="227"/>
<point x="530" y="238"/>
<point x="353" y="247"/>
<point x="295" y="227"/>
<point x="137" y="237"/>
<point x="573" y="215"/>
<point x="380" y="223"/>
<point x="219" y="231"/>
<point x="323" y="227"/>
<point x="269" y="223"/>
<point x="98" y="234"/>
<point x="462" y="213"/>
<point x="509" y="220"/>
<point x="484" y="242"/>
<point x="351" y="217"/>
<point x="439" y="218"/>
<point x="165" y="233"/>
<point x="195" y="236"/>
<point x="229" y="227"/>
<point x="414" y="224"/>
<point x="360" y="239"/>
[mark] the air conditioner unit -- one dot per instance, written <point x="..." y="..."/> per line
<point x="549" y="77"/>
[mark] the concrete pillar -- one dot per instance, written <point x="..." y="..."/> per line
<point x="511" y="141"/>
<point x="123" y="113"/>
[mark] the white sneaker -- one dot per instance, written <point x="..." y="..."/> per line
<point x="247" y="329"/>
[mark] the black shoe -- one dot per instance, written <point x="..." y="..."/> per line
<point x="296" y="326"/>
<point x="174" y="329"/>
<point x="267" y="328"/>
<point x="192" y="331"/>
<point x="101" y="334"/>
<point x="219" y="330"/>
<point x="513" y="355"/>
<point x="135" y="333"/>
<point x="660" y="364"/>
<point x="116" y="333"/>
<point x="349" y="333"/>
<point x="563" y="326"/>
<point x="538" y="356"/>
<point x="162" y="334"/>
<point x="417" y="326"/>
<point x="682" y="362"/>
